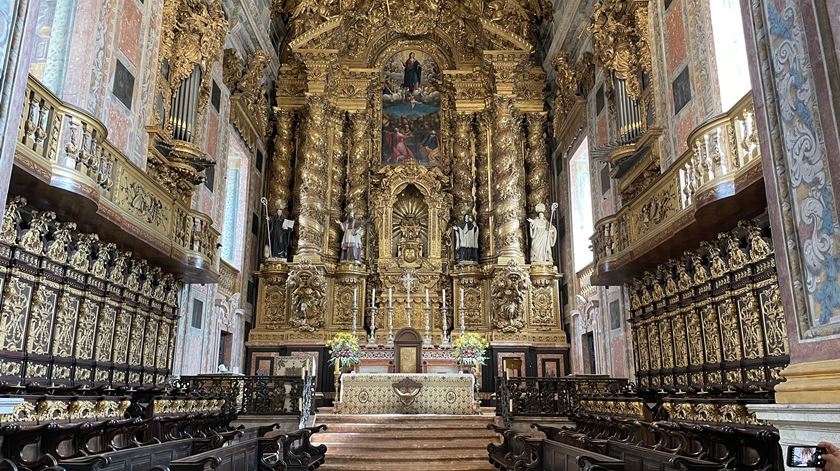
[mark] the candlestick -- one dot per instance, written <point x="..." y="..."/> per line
<point x="427" y="321"/>
<point x="444" y="336"/>
<point x="372" y="337"/>
<point x="390" y="341"/>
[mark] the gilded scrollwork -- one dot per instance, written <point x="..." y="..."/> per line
<point x="308" y="289"/>
<point x="510" y="287"/>
<point x="62" y="236"/>
<point x="11" y="219"/>
<point x="33" y="238"/>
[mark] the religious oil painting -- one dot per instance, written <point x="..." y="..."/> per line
<point x="411" y="109"/>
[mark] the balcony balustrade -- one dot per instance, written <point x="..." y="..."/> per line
<point x="62" y="147"/>
<point x="692" y="199"/>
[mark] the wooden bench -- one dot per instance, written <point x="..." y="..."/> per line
<point x="145" y="457"/>
<point x="639" y="458"/>
<point x="285" y="452"/>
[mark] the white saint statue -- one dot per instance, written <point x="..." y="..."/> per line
<point x="543" y="236"/>
<point x="351" y="243"/>
<point x="466" y="240"/>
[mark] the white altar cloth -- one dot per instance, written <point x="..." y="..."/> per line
<point x="373" y="393"/>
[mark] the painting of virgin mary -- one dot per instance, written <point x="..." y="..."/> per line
<point x="411" y="109"/>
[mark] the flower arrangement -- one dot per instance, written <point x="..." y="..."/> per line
<point x="344" y="350"/>
<point x="469" y="349"/>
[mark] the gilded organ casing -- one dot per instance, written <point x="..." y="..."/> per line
<point x="409" y="126"/>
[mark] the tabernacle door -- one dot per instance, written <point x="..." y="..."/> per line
<point x="407" y="348"/>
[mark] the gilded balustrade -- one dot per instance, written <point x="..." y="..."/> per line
<point x="721" y="152"/>
<point x="68" y="148"/>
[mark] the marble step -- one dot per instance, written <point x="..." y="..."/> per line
<point x="360" y="427"/>
<point x="407" y="443"/>
<point x="395" y="454"/>
<point x="388" y="418"/>
<point x="371" y="464"/>
<point x="374" y="432"/>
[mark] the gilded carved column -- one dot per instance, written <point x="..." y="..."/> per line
<point x="508" y="183"/>
<point x="280" y="173"/>
<point x="484" y="196"/>
<point x="338" y="174"/>
<point x="537" y="162"/>
<point x="359" y="165"/>
<point x="462" y="168"/>
<point x="313" y="188"/>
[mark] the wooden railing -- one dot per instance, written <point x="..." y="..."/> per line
<point x="68" y="149"/>
<point x="551" y="397"/>
<point x="720" y="151"/>
<point x="259" y="395"/>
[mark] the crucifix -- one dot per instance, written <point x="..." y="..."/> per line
<point x="409" y="279"/>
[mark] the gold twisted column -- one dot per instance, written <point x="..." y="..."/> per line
<point x="508" y="183"/>
<point x="338" y="174"/>
<point x="484" y="191"/>
<point x="280" y="172"/>
<point x="359" y="165"/>
<point x="462" y="168"/>
<point x="537" y="162"/>
<point x="313" y="186"/>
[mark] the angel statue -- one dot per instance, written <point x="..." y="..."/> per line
<point x="543" y="236"/>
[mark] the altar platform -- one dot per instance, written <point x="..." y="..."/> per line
<point x="408" y="393"/>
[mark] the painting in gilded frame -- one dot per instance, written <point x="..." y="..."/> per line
<point x="411" y="109"/>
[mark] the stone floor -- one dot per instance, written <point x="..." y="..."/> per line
<point x="405" y="442"/>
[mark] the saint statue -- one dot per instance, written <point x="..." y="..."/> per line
<point x="351" y="243"/>
<point x="466" y="240"/>
<point x="413" y="71"/>
<point x="280" y="232"/>
<point x="543" y="236"/>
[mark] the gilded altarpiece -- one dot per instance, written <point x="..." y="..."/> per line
<point x="409" y="125"/>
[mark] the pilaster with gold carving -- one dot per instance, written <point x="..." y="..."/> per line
<point x="484" y="190"/>
<point x="280" y="172"/>
<point x="313" y="188"/>
<point x="537" y="161"/>
<point x="358" y="165"/>
<point x="545" y="314"/>
<point x="338" y="175"/>
<point x="463" y="167"/>
<point x="508" y="183"/>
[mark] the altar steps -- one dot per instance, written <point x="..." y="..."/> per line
<point x="405" y="442"/>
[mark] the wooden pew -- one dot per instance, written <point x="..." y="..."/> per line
<point x="145" y="457"/>
<point x="286" y="452"/>
<point x="639" y="458"/>
<point x="560" y="456"/>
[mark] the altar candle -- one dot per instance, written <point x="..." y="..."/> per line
<point x="427" y="297"/>
<point x="373" y="298"/>
<point x="390" y="297"/>
<point x="444" y="297"/>
<point x="355" y="294"/>
<point x="462" y="298"/>
<point x="510" y="405"/>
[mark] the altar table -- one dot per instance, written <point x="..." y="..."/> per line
<point x="373" y="393"/>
